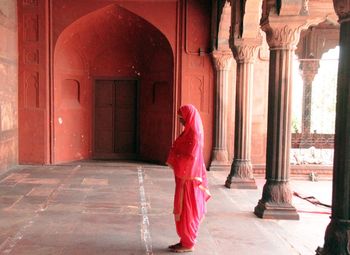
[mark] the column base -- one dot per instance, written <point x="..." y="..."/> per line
<point x="268" y="210"/>
<point x="219" y="161"/>
<point x="240" y="183"/>
<point x="337" y="238"/>
<point x="216" y="165"/>
<point x="241" y="175"/>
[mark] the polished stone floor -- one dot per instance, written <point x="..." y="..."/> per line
<point x="126" y="208"/>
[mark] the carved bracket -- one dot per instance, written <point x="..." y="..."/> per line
<point x="222" y="59"/>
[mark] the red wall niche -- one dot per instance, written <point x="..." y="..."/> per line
<point x="111" y="43"/>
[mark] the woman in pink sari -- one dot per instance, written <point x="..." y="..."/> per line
<point x="191" y="192"/>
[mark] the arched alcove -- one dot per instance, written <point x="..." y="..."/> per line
<point x="114" y="59"/>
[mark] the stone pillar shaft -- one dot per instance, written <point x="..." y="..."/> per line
<point x="337" y="236"/>
<point x="277" y="196"/>
<point x="243" y="110"/>
<point x="241" y="175"/>
<point x="221" y="111"/>
<point x="222" y="61"/>
<point x="306" y="108"/>
<point x="279" y="115"/>
<point x="309" y="70"/>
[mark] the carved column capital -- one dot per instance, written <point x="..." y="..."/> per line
<point x="284" y="32"/>
<point x="282" y="36"/>
<point x="342" y="8"/>
<point x="222" y="60"/>
<point x="246" y="51"/>
<point x="309" y="70"/>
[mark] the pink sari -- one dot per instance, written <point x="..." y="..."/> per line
<point x="191" y="192"/>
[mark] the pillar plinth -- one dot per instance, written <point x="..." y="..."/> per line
<point x="282" y="38"/>
<point x="241" y="174"/>
<point x="337" y="236"/>
<point x="222" y="61"/>
<point x="276" y="202"/>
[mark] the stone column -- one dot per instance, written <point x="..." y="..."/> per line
<point x="222" y="61"/>
<point x="309" y="69"/>
<point x="337" y="236"/>
<point x="241" y="174"/>
<point x="282" y="36"/>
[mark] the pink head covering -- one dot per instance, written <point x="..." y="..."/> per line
<point x="186" y="154"/>
<point x="193" y="123"/>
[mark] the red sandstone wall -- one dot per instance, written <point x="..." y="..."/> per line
<point x="187" y="30"/>
<point x="195" y="87"/>
<point x="33" y="83"/>
<point x="8" y="85"/>
<point x="197" y="68"/>
<point x="72" y="105"/>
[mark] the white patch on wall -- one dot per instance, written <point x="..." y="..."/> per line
<point x="7" y="116"/>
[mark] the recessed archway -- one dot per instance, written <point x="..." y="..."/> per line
<point x="111" y="44"/>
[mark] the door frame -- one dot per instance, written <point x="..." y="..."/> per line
<point x="137" y="129"/>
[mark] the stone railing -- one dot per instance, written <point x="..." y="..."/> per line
<point x="319" y="141"/>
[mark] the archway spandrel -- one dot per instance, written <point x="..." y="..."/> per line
<point x="162" y="15"/>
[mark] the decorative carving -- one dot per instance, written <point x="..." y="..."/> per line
<point x="242" y="168"/>
<point x="309" y="69"/>
<point x="30" y="3"/>
<point x="277" y="192"/>
<point x="7" y="120"/>
<point x="305" y="141"/>
<point x="198" y="92"/>
<point x="342" y="8"/>
<point x="31" y="27"/>
<point x="31" y="56"/>
<point x="222" y="60"/>
<point x="32" y="89"/>
<point x="284" y="37"/>
<point x="284" y="32"/>
<point x="196" y="62"/>
<point x="245" y="53"/>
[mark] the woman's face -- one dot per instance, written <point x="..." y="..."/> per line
<point x="181" y="119"/>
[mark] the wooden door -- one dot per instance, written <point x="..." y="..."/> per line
<point x="115" y="120"/>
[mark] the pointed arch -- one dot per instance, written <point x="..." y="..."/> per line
<point x="112" y="43"/>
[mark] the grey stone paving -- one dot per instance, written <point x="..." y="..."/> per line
<point x="126" y="208"/>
